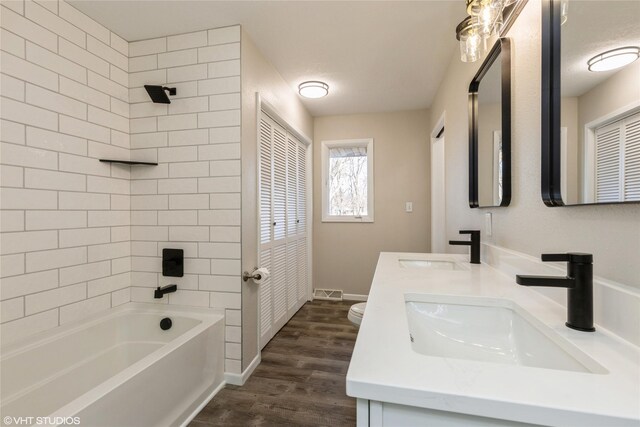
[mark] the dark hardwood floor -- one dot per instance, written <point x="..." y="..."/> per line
<point x="301" y="379"/>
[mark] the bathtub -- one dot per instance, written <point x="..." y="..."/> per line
<point x="116" y="369"/>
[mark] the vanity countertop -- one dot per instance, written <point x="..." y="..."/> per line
<point x="385" y="368"/>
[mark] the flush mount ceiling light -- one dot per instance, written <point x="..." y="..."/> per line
<point x="313" y="89"/>
<point x="615" y="58"/>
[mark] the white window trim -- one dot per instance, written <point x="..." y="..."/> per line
<point x="325" y="146"/>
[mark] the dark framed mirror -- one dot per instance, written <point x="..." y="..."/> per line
<point x="590" y="102"/>
<point x="490" y="129"/>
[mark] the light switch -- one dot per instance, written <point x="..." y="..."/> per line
<point x="487" y="223"/>
<point x="408" y="206"/>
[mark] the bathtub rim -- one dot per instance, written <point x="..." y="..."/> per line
<point x="23" y="344"/>
<point x="208" y="318"/>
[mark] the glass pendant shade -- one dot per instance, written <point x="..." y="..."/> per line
<point x="472" y="43"/>
<point x="490" y="13"/>
<point x="485" y="19"/>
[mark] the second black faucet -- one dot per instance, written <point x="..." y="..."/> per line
<point x="579" y="284"/>
<point x="474" y="243"/>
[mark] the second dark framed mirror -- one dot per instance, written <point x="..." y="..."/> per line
<point x="490" y="130"/>
<point x="590" y="102"/>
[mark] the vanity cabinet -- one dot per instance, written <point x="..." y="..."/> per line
<point x="372" y="413"/>
<point x="472" y="348"/>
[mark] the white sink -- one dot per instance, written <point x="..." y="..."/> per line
<point x="432" y="264"/>
<point x="489" y="330"/>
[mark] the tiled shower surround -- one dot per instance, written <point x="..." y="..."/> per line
<point x="191" y="200"/>
<point x="80" y="236"/>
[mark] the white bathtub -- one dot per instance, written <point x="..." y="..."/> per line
<point x="118" y="369"/>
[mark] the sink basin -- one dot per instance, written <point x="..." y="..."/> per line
<point x="432" y="264"/>
<point x="489" y="330"/>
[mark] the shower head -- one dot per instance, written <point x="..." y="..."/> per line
<point x="158" y="94"/>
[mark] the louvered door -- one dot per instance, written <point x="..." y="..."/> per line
<point x="292" y="203"/>
<point x="283" y="237"/>
<point x="301" y="223"/>
<point x="618" y="161"/>
<point x="266" y="229"/>
<point x="608" y="164"/>
<point x="632" y="159"/>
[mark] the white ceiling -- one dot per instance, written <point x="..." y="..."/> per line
<point x="375" y="55"/>
<point x="594" y="27"/>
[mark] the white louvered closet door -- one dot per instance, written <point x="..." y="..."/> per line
<point x="608" y="164"/>
<point x="632" y="159"/>
<point x="301" y="224"/>
<point x="618" y="161"/>
<point x="292" y="204"/>
<point x="279" y="243"/>
<point x="266" y="230"/>
<point x="280" y="234"/>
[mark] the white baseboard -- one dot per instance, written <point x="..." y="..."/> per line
<point x="240" y="379"/>
<point x="354" y="297"/>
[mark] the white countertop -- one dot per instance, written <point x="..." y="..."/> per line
<point x="385" y="368"/>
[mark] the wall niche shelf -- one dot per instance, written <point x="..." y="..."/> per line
<point x="128" y="162"/>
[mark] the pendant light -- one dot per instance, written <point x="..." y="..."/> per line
<point x="472" y="43"/>
<point x="484" y="20"/>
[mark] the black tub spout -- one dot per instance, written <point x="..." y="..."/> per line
<point x="160" y="291"/>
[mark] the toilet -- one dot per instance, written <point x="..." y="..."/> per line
<point x="356" y="312"/>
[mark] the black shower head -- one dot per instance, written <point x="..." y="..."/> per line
<point x="158" y="94"/>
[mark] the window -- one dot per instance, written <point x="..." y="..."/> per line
<point x="347" y="177"/>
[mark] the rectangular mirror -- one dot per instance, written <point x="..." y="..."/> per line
<point x="590" y="102"/>
<point x="490" y="130"/>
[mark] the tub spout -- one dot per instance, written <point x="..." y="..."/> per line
<point x="160" y="291"/>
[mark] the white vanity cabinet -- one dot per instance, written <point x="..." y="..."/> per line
<point x="414" y="365"/>
<point x="371" y="413"/>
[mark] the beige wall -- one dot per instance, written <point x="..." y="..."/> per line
<point x="610" y="232"/>
<point x="258" y="75"/>
<point x="569" y="119"/>
<point x="620" y="90"/>
<point x="345" y="254"/>
<point x="490" y="120"/>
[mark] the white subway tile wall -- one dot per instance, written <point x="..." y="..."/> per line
<point x="80" y="236"/>
<point x="66" y="247"/>
<point x="191" y="200"/>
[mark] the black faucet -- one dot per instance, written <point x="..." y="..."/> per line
<point x="160" y="291"/>
<point x="579" y="284"/>
<point x="474" y="243"/>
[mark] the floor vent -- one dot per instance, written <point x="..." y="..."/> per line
<point x="328" y="294"/>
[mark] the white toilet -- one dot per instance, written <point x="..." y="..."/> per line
<point x="356" y="312"/>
